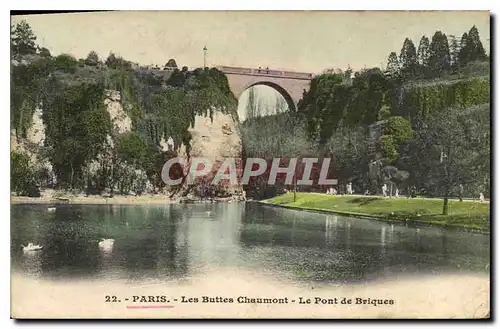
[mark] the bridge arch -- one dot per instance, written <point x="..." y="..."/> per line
<point x="292" y="106"/>
<point x="290" y="85"/>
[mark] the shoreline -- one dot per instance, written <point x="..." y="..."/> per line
<point x="97" y="200"/>
<point x="159" y="199"/>
<point x="404" y="220"/>
<point x="377" y="218"/>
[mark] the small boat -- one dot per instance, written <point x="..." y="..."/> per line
<point x="32" y="247"/>
<point x="106" y="243"/>
<point x="51" y="209"/>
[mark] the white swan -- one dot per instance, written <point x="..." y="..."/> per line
<point x="32" y="247"/>
<point x="51" y="209"/>
<point x="106" y="243"/>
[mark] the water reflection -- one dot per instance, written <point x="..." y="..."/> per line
<point x="173" y="241"/>
<point x="331" y="223"/>
<point x="32" y="262"/>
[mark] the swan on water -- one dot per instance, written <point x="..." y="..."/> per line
<point x="51" y="209"/>
<point x="106" y="243"/>
<point x="32" y="247"/>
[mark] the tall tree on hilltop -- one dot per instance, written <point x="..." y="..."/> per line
<point x="22" y="39"/>
<point x="408" y="57"/>
<point x="476" y="49"/>
<point x="170" y="64"/>
<point x="393" y="66"/>
<point x="439" y="57"/>
<point x="454" y="52"/>
<point x="92" y="59"/>
<point x="463" y="53"/>
<point x="423" y="52"/>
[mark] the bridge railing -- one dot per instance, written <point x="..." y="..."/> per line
<point x="266" y="72"/>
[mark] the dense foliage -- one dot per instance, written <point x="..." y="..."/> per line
<point x="80" y="137"/>
<point x="23" y="180"/>
<point x="422" y="99"/>
<point x="424" y="122"/>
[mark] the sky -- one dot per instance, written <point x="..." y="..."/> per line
<point x="296" y="40"/>
<point x="305" y="41"/>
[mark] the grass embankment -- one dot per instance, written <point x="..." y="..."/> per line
<point x="467" y="214"/>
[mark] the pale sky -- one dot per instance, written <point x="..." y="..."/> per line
<point x="293" y="40"/>
<point x="296" y="40"/>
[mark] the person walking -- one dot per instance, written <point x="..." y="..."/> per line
<point x="384" y="190"/>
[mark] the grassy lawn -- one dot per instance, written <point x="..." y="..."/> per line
<point x="467" y="214"/>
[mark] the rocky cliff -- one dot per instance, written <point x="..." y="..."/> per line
<point x="215" y="139"/>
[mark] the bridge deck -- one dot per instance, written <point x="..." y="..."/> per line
<point x="266" y="72"/>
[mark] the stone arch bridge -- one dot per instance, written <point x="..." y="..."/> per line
<point x="289" y="84"/>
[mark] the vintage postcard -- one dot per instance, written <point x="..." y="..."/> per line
<point x="266" y="164"/>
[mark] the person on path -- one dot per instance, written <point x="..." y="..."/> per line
<point x="349" y="188"/>
<point x="384" y="190"/>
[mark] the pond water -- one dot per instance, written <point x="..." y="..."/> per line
<point x="174" y="241"/>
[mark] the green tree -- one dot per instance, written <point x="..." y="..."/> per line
<point x="399" y="128"/>
<point x="423" y="53"/>
<point x="388" y="149"/>
<point x="252" y="104"/>
<point x="349" y="149"/>
<point x="131" y="148"/>
<point x="66" y="63"/>
<point x="442" y="154"/>
<point x="439" y="56"/>
<point x="463" y="53"/>
<point x="92" y="59"/>
<point x="475" y="47"/>
<point x="44" y="52"/>
<point x="22" y="176"/>
<point x="117" y="62"/>
<point x="408" y="57"/>
<point x="27" y="85"/>
<point x="393" y="65"/>
<point x="23" y="39"/>
<point x="76" y="127"/>
<point x="171" y="64"/>
<point x="454" y="52"/>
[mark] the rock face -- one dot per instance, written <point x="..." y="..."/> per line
<point x="35" y="136"/>
<point x="36" y="133"/>
<point x="122" y="123"/>
<point x="216" y="140"/>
